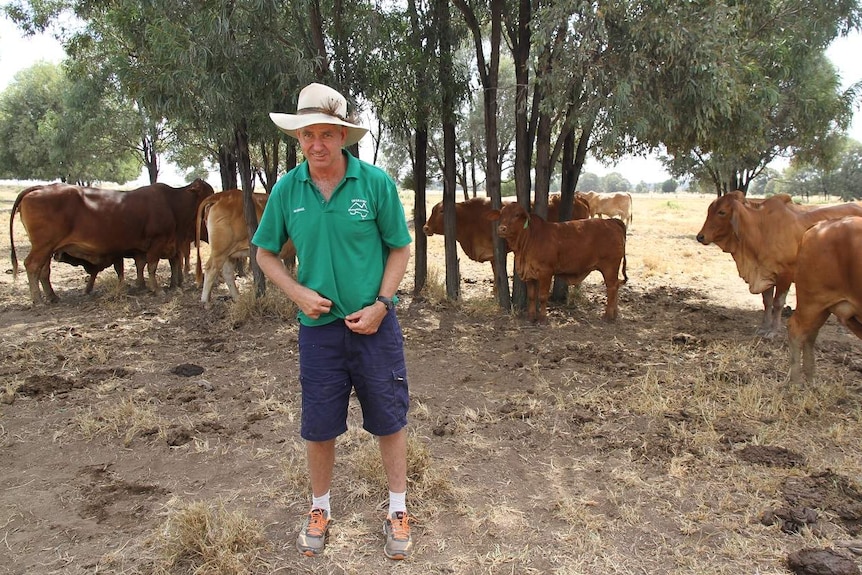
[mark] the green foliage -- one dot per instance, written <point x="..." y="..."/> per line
<point x="63" y="129"/>
<point x="843" y="178"/>
<point x="669" y="186"/>
<point x="589" y="181"/>
<point x="507" y="188"/>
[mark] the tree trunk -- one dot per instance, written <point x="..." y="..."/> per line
<point x="244" y="162"/>
<point x="520" y="38"/>
<point x="447" y="113"/>
<point x="270" y="162"/>
<point x="151" y="159"/>
<point x="420" y="169"/>
<point x="489" y="76"/>
<point x="227" y="167"/>
<point x="572" y="165"/>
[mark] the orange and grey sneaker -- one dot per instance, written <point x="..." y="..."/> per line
<point x="312" y="536"/>
<point x="398" y="541"/>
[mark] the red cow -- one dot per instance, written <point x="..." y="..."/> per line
<point x="763" y="238"/>
<point x="570" y="250"/>
<point x="148" y="223"/>
<point x="828" y="281"/>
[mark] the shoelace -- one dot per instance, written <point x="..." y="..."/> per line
<point x="316" y="523"/>
<point x="400" y="526"/>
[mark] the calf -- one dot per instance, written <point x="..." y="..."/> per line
<point x="828" y="281"/>
<point x="473" y="231"/>
<point x="570" y="250"/>
<point x="228" y="239"/>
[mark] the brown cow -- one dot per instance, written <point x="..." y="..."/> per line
<point x="228" y="239"/>
<point x="149" y="223"/>
<point x="474" y="232"/>
<point x="828" y="281"/>
<point x="763" y="238"/>
<point x="570" y="250"/>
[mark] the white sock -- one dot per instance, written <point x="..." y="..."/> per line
<point x="321" y="502"/>
<point x="397" y="502"/>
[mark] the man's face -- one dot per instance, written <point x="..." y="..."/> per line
<point x="321" y="144"/>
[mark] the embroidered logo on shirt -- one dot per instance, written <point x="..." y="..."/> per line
<point x="297" y="210"/>
<point x="359" y="208"/>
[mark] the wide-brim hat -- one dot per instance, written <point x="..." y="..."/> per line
<point x="319" y="104"/>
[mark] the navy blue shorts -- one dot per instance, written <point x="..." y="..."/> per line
<point x="333" y="361"/>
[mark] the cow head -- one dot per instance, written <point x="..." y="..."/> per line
<point x="512" y="218"/>
<point x="200" y="189"/>
<point x="722" y="220"/>
<point x="434" y="225"/>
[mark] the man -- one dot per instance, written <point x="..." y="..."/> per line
<point x="353" y="245"/>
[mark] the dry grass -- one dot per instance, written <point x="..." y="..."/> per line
<point x="126" y="419"/>
<point x="205" y="538"/>
<point x="249" y="307"/>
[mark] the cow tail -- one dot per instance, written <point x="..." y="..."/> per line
<point x="625" y="235"/>
<point x="625" y="275"/>
<point x="15" y="208"/>
<point x="199" y="274"/>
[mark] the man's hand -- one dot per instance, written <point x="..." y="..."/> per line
<point x="312" y="303"/>
<point x="367" y="320"/>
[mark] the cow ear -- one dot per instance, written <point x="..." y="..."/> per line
<point x="493" y="215"/>
<point x="734" y="223"/>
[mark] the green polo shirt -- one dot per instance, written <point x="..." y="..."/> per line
<point x="342" y="244"/>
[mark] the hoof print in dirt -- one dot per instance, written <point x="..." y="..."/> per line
<point x="771" y="456"/>
<point x="821" y="562"/>
<point x="187" y="370"/>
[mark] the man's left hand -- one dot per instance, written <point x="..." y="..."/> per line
<point x="367" y="320"/>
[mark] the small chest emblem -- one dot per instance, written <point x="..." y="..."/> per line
<point x="359" y="208"/>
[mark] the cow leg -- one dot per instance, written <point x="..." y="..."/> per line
<point x="187" y="259"/>
<point x="228" y="273"/>
<point x="153" y="281"/>
<point x="176" y="263"/>
<point x="544" y="291"/>
<point x="39" y="272"/>
<point x="802" y="330"/>
<point x="531" y="300"/>
<point x="140" y="264"/>
<point x="120" y="269"/>
<point x="210" y="277"/>
<point x="45" y="280"/>
<point x="766" y="320"/>
<point x="91" y="281"/>
<point x="612" y="289"/>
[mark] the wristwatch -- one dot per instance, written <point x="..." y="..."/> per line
<point x="388" y="302"/>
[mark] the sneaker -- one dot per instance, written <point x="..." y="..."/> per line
<point x="398" y="541"/>
<point x="312" y="536"/>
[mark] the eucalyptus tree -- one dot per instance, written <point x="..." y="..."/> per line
<point x="57" y="128"/>
<point x="841" y="177"/>
<point x="770" y="93"/>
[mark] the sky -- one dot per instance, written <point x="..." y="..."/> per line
<point x="18" y="53"/>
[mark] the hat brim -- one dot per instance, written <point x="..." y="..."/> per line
<point x="290" y="123"/>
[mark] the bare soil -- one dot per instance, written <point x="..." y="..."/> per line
<point x="667" y="442"/>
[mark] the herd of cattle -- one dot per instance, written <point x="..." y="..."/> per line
<point x="774" y="243"/>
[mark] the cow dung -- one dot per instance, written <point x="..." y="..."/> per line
<point x="821" y="562"/>
<point x="187" y="370"/>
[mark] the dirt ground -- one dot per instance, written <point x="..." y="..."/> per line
<point x="667" y="442"/>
